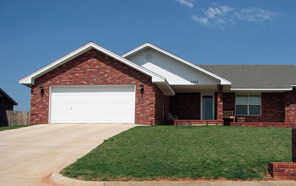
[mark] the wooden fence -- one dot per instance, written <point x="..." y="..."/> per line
<point x="17" y="117"/>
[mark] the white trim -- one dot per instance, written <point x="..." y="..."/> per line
<point x="29" y="80"/>
<point x="201" y="105"/>
<point x="293" y="85"/>
<point x="49" y="106"/>
<point x="260" y="89"/>
<point x="141" y="47"/>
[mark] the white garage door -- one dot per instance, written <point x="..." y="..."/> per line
<point x="100" y="104"/>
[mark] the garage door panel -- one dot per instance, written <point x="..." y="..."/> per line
<point x="103" y="104"/>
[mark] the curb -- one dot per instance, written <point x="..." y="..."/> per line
<point x="60" y="179"/>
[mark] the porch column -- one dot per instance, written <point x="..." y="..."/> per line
<point x="220" y="102"/>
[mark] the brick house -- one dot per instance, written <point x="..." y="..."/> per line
<point x="6" y="103"/>
<point x="148" y="84"/>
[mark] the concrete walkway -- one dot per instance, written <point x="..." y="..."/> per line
<point x="28" y="156"/>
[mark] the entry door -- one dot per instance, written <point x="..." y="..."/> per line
<point x="207" y="107"/>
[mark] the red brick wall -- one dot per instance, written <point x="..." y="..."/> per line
<point x="229" y="101"/>
<point x="159" y="104"/>
<point x="293" y="106"/>
<point x="273" y="107"/>
<point x="186" y="105"/>
<point x="215" y="105"/>
<point x="167" y="105"/>
<point x="95" y="68"/>
<point x="290" y="106"/>
<point x="282" y="170"/>
<point x="262" y="124"/>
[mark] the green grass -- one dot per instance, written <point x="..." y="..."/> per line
<point x="13" y="127"/>
<point x="168" y="152"/>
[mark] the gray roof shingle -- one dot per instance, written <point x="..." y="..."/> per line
<point x="256" y="76"/>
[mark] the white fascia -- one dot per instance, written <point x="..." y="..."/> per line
<point x="29" y="80"/>
<point x="141" y="47"/>
<point x="261" y="89"/>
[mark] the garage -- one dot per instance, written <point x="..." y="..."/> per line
<point x="92" y="104"/>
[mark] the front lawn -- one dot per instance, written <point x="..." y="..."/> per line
<point x="173" y="153"/>
<point x="13" y="127"/>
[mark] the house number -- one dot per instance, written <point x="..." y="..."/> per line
<point x="194" y="81"/>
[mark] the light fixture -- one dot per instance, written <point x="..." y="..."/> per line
<point x="41" y="90"/>
<point x="142" y="89"/>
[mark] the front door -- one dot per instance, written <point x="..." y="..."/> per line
<point x="207" y="107"/>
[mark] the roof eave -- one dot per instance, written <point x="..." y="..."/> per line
<point x="29" y="80"/>
<point x="261" y="89"/>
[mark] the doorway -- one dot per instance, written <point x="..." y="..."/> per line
<point x="207" y="107"/>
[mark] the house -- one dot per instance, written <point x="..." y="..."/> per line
<point x="6" y="103"/>
<point x="147" y="84"/>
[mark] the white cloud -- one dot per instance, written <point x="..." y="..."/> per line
<point x="222" y="16"/>
<point x="217" y="11"/>
<point x="188" y="3"/>
<point x="201" y="20"/>
<point x="255" y="15"/>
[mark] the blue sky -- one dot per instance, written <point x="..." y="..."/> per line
<point x="35" y="33"/>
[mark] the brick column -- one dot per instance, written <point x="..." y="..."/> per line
<point x="290" y="106"/>
<point x="293" y="106"/>
<point x="220" y="102"/>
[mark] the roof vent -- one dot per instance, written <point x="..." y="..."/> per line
<point x="149" y="57"/>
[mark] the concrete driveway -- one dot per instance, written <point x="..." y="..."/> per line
<point x="29" y="155"/>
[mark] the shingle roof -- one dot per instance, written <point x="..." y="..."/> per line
<point x="256" y="76"/>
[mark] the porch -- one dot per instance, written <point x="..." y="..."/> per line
<point x="204" y="107"/>
<point x="269" y="109"/>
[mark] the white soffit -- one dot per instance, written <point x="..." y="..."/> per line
<point x="29" y="80"/>
<point x="262" y="89"/>
<point x="145" y="45"/>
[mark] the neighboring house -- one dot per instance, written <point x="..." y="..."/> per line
<point x="6" y="103"/>
<point x="146" y="84"/>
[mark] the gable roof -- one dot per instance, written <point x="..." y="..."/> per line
<point x="254" y="77"/>
<point x="223" y="81"/>
<point x="6" y="95"/>
<point x="29" y="80"/>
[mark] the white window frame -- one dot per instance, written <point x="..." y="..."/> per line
<point x="248" y="105"/>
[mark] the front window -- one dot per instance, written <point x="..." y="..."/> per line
<point x="248" y="105"/>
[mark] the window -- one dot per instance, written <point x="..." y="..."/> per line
<point x="248" y="105"/>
